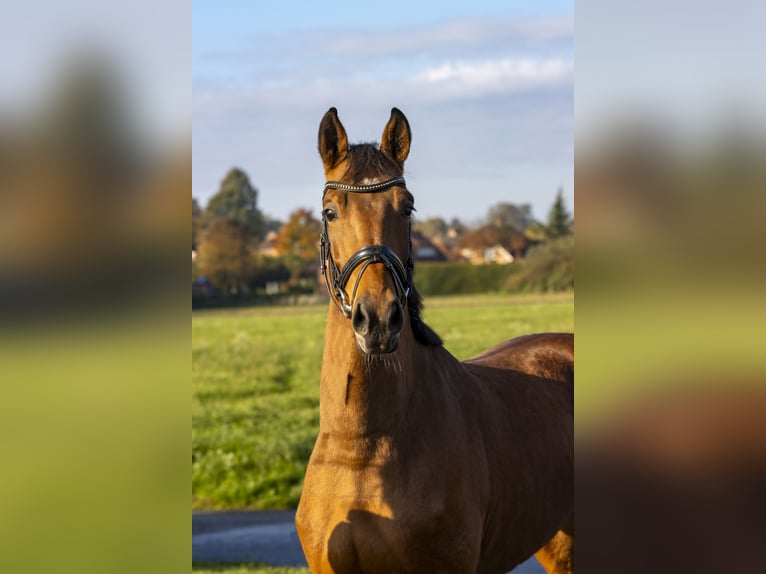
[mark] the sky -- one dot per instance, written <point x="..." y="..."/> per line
<point x="687" y="66"/>
<point x="149" y="58"/>
<point x="487" y="87"/>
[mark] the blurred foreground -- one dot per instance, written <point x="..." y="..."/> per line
<point x="671" y="386"/>
<point x="670" y="177"/>
<point x="94" y="179"/>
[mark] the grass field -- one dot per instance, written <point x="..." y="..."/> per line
<point x="255" y="386"/>
<point x="246" y="569"/>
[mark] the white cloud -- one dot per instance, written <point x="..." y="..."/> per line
<point x="443" y="82"/>
<point x="476" y="78"/>
<point x="496" y="71"/>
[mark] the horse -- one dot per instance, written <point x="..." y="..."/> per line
<point x="424" y="463"/>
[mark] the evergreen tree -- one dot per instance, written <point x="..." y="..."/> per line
<point x="559" y="219"/>
<point x="236" y="201"/>
<point x="196" y="221"/>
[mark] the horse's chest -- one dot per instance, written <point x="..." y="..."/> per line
<point x="371" y="543"/>
<point x="380" y="518"/>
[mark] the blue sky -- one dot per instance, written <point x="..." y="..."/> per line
<point x="487" y="88"/>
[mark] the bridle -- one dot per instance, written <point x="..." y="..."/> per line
<point x="339" y="276"/>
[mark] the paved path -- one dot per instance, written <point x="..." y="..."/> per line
<point x="265" y="536"/>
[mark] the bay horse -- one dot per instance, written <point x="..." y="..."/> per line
<point x="423" y="463"/>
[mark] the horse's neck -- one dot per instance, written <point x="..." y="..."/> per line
<point x="363" y="395"/>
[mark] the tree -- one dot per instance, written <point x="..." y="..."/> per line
<point x="457" y="225"/>
<point x="88" y="120"/>
<point x="298" y="242"/>
<point x="549" y="268"/>
<point x="271" y="224"/>
<point x="510" y="216"/>
<point x="196" y="221"/>
<point x="224" y="255"/>
<point x="536" y="231"/>
<point x="236" y="201"/>
<point x="432" y="227"/>
<point x="559" y="219"/>
<point x="300" y="235"/>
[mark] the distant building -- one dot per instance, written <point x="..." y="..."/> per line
<point x="423" y="249"/>
<point x="493" y="244"/>
<point x="493" y="254"/>
<point x="269" y="245"/>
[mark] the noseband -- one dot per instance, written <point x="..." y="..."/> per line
<point x="339" y="277"/>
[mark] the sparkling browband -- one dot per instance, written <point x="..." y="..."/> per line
<point x="364" y="188"/>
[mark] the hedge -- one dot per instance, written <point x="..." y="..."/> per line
<point x="462" y="278"/>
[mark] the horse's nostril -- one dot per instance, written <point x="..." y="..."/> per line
<point x="360" y="319"/>
<point x="395" y="317"/>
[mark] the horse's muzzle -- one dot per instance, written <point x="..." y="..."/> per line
<point x="377" y="332"/>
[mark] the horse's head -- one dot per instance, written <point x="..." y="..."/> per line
<point x="366" y="248"/>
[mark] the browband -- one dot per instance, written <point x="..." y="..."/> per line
<point x="371" y="188"/>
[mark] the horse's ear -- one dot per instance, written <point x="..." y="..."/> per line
<point x="396" y="137"/>
<point x="333" y="143"/>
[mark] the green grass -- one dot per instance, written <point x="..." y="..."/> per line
<point x="254" y="405"/>
<point x="246" y="569"/>
<point x="255" y="386"/>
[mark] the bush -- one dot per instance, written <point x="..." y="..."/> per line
<point x="548" y="268"/>
<point x="266" y="270"/>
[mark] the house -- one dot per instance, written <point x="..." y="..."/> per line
<point x="423" y="249"/>
<point x="493" y="254"/>
<point x="492" y="244"/>
<point x="268" y="246"/>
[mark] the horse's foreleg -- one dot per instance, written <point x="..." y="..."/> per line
<point x="557" y="556"/>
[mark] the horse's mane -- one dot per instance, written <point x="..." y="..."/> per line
<point x="423" y="333"/>
<point x="368" y="160"/>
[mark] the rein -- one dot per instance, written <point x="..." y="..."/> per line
<point x="339" y="277"/>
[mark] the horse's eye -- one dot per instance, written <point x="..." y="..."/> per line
<point x="330" y="214"/>
<point x="407" y="211"/>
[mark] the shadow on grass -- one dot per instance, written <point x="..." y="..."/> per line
<point x="245" y="568"/>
